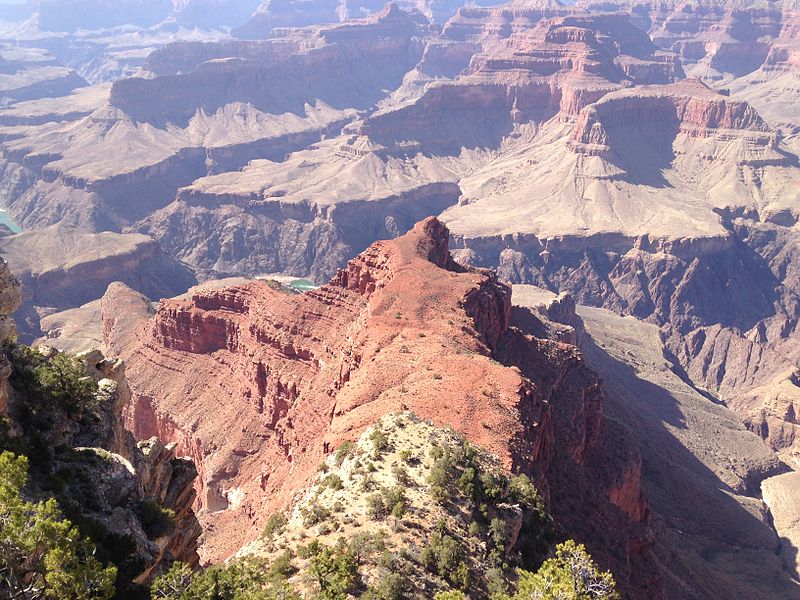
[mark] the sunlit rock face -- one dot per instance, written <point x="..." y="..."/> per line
<point x="292" y="376"/>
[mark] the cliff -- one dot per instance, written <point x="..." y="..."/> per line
<point x="61" y="267"/>
<point x="293" y="376"/>
<point x="531" y="65"/>
<point x="267" y="74"/>
<point x="132" y="500"/>
<point x="702" y="469"/>
<point x="10" y="299"/>
<point x="320" y="207"/>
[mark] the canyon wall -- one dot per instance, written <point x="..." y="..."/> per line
<point x="295" y="375"/>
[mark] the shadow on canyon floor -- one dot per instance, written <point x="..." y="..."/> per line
<point x="720" y="539"/>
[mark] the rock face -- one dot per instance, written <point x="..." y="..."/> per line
<point x="106" y="480"/>
<point x="27" y="74"/>
<point x="174" y="139"/>
<point x="272" y="16"/>
<point x="702" y="469"/>
<point x="10" y="299"/>
<point x="160" y="473"/>
<point x="100" y="460"/>
<point x="72" y="15"/>
<point x="292" y="376"/>
<point x="270" y="218"/>
<point x="61" y="268"/>
<point x="380" y="51"/>
<point x="530" y="68"/>
<point x="462" y="122"/>
<point x="641" y="157"/>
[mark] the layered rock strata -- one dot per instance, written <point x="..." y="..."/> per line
<point x="292" y="376"/>
<point x="62" y="268"/>
<point x="701" y="468"/>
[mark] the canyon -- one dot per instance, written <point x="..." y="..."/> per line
<point x="103" y="478"/>
<point x="295" y="375"/>
<point x="630" y="170"/>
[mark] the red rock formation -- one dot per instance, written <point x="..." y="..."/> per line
<point x="687" y="107"/>
<point x="258" y="385"/>
<point x="534" y="64"/>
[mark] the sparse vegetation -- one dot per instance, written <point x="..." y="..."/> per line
<point x="401" y="475"/>
<point x="335" y="571"/>
<point x="389" y="540"/>
<point x="571" y="574"/>
<point x="392" y="586"/>
<point x="380" y="442"/>
<point x="444" y="556"/>
<point x="275" y="525"/>
<point x="387" y="501"/>
<point x="42" y="555"/>
<point x="51" y="384"/>
<point x="332" y="481"/>
<point x="450" y="595"/>
<point x="247" y="580"/>
<point x="315" y="514"/>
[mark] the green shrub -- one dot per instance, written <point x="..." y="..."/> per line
<point x="401" y="475"/>
<point x="387" y="501"/>
<point x="368" y="483"/>
<point x="364" y="545"/>
<point x="393" y="496"/>
<point x="43" y="555"/>
<point x="496" y="583"/>
<point x="156" y="520"/>
<point x="570" y="574"/>
<point x="173" y="584"/>
<point x="380" y="442"/>
<point x="498" y="532"/>
<point x="314" y="514"/>
<point x="51" y="384"/>
<point x="281" y="567"/>
<point x="332" y="481"/>
<point x="398" y="510"/>
<point x="492" y="486"/>
<point x="376" y="507"/>
<point x="336" y="572"/>
<point x="247" y="580"/>
<point x="444" y="556"/>
<point x="345" y="450"/>
<point x="275" y="526"/>
<point x="474" y="529"/>
<point x="459" y="577"/>
<point x="523" y="492"/>
<point x="450" y="595"/>
<point x="392" y="586"/>
<point x="466" y="482"/>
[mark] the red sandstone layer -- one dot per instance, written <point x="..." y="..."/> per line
<point x="258" y="385"/>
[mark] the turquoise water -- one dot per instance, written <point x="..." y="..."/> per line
<point x="303" y="285"/>
<point x="8" y="221"/>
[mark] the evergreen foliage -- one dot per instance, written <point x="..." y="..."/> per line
<point x="42" y="555"/>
